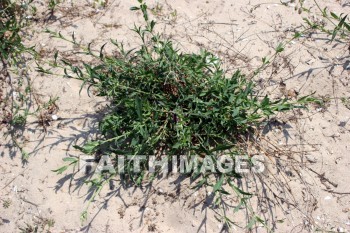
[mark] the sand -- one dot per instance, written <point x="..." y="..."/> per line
<point x="306" y="187"/>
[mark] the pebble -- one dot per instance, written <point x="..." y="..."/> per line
<point x="311" y="158"/>
<point x="54" y="117"/>
<point x="285" y="1"/>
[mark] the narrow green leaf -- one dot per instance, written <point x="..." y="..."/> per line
<point x="279" y="48"/>
<point x="101" y="50"/>
<point x="218" y="185"/>
<point x="334" y="16"/>
<point x="138" y="105"/>
<point x="70" y="159"/>
<point x="89" y="147"/>
<point x="60" y="170"/>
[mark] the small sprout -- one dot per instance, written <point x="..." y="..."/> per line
<point x="6" y="204"/>
<point x="280" y="48"/>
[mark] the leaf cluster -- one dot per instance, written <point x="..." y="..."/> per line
<point x="168" y="102"/>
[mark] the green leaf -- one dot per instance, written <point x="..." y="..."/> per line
<point x="89" y="147"/>
<point x="347" y="26"/>
<point x="237" y="190"/>
<point x="222" y="147"/>
<point x="70" y="159"/>
<point x="265" y="60"/>
<point x="218" y="185"/>
<point x="265" y="102"/>
<point x="101" y="50"/>
<point x="324" y="12"/>
<point x="260" y="220"/>
<point x="334" y="16"/>
<point x="60" y="170"/>
<point x="297" y="35"/>
<point x="279" y="48"/>
<point x="56" y="55"/>
<point x="342" y="21"/>
<point x="138" y="105"/>
<point x="89" y="48"/>
<point x="134" y="8"/>
<point x="153" y="23"/>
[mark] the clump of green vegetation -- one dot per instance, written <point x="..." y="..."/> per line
<point x="14" y="95"/>
<point x="165" y="102"/>
<point x="6" y="203"/>
<point x="333" y="24"/>
<point x="12" y="20"/>
<point x="53" y="4"/>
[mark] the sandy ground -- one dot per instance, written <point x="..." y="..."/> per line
<point x="307" y="186"/>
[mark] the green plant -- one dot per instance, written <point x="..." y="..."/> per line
<point x="100" y="3"/>
<point x="15" y="103"/>
<point x="12" y="20"/>
<point x="53" y="4"/>
<point x="346" y="102"/>
<point x="334" y="25"/>
<point x="6" y="203"/>
<point x="165" y="102"/>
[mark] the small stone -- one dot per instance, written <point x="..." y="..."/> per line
<point x="311" y="158"/>
<point x="328" y="198"/>
<point x="285" y="1"/>
<point x="340" y="229"/>
<point x="54" y="117"/>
